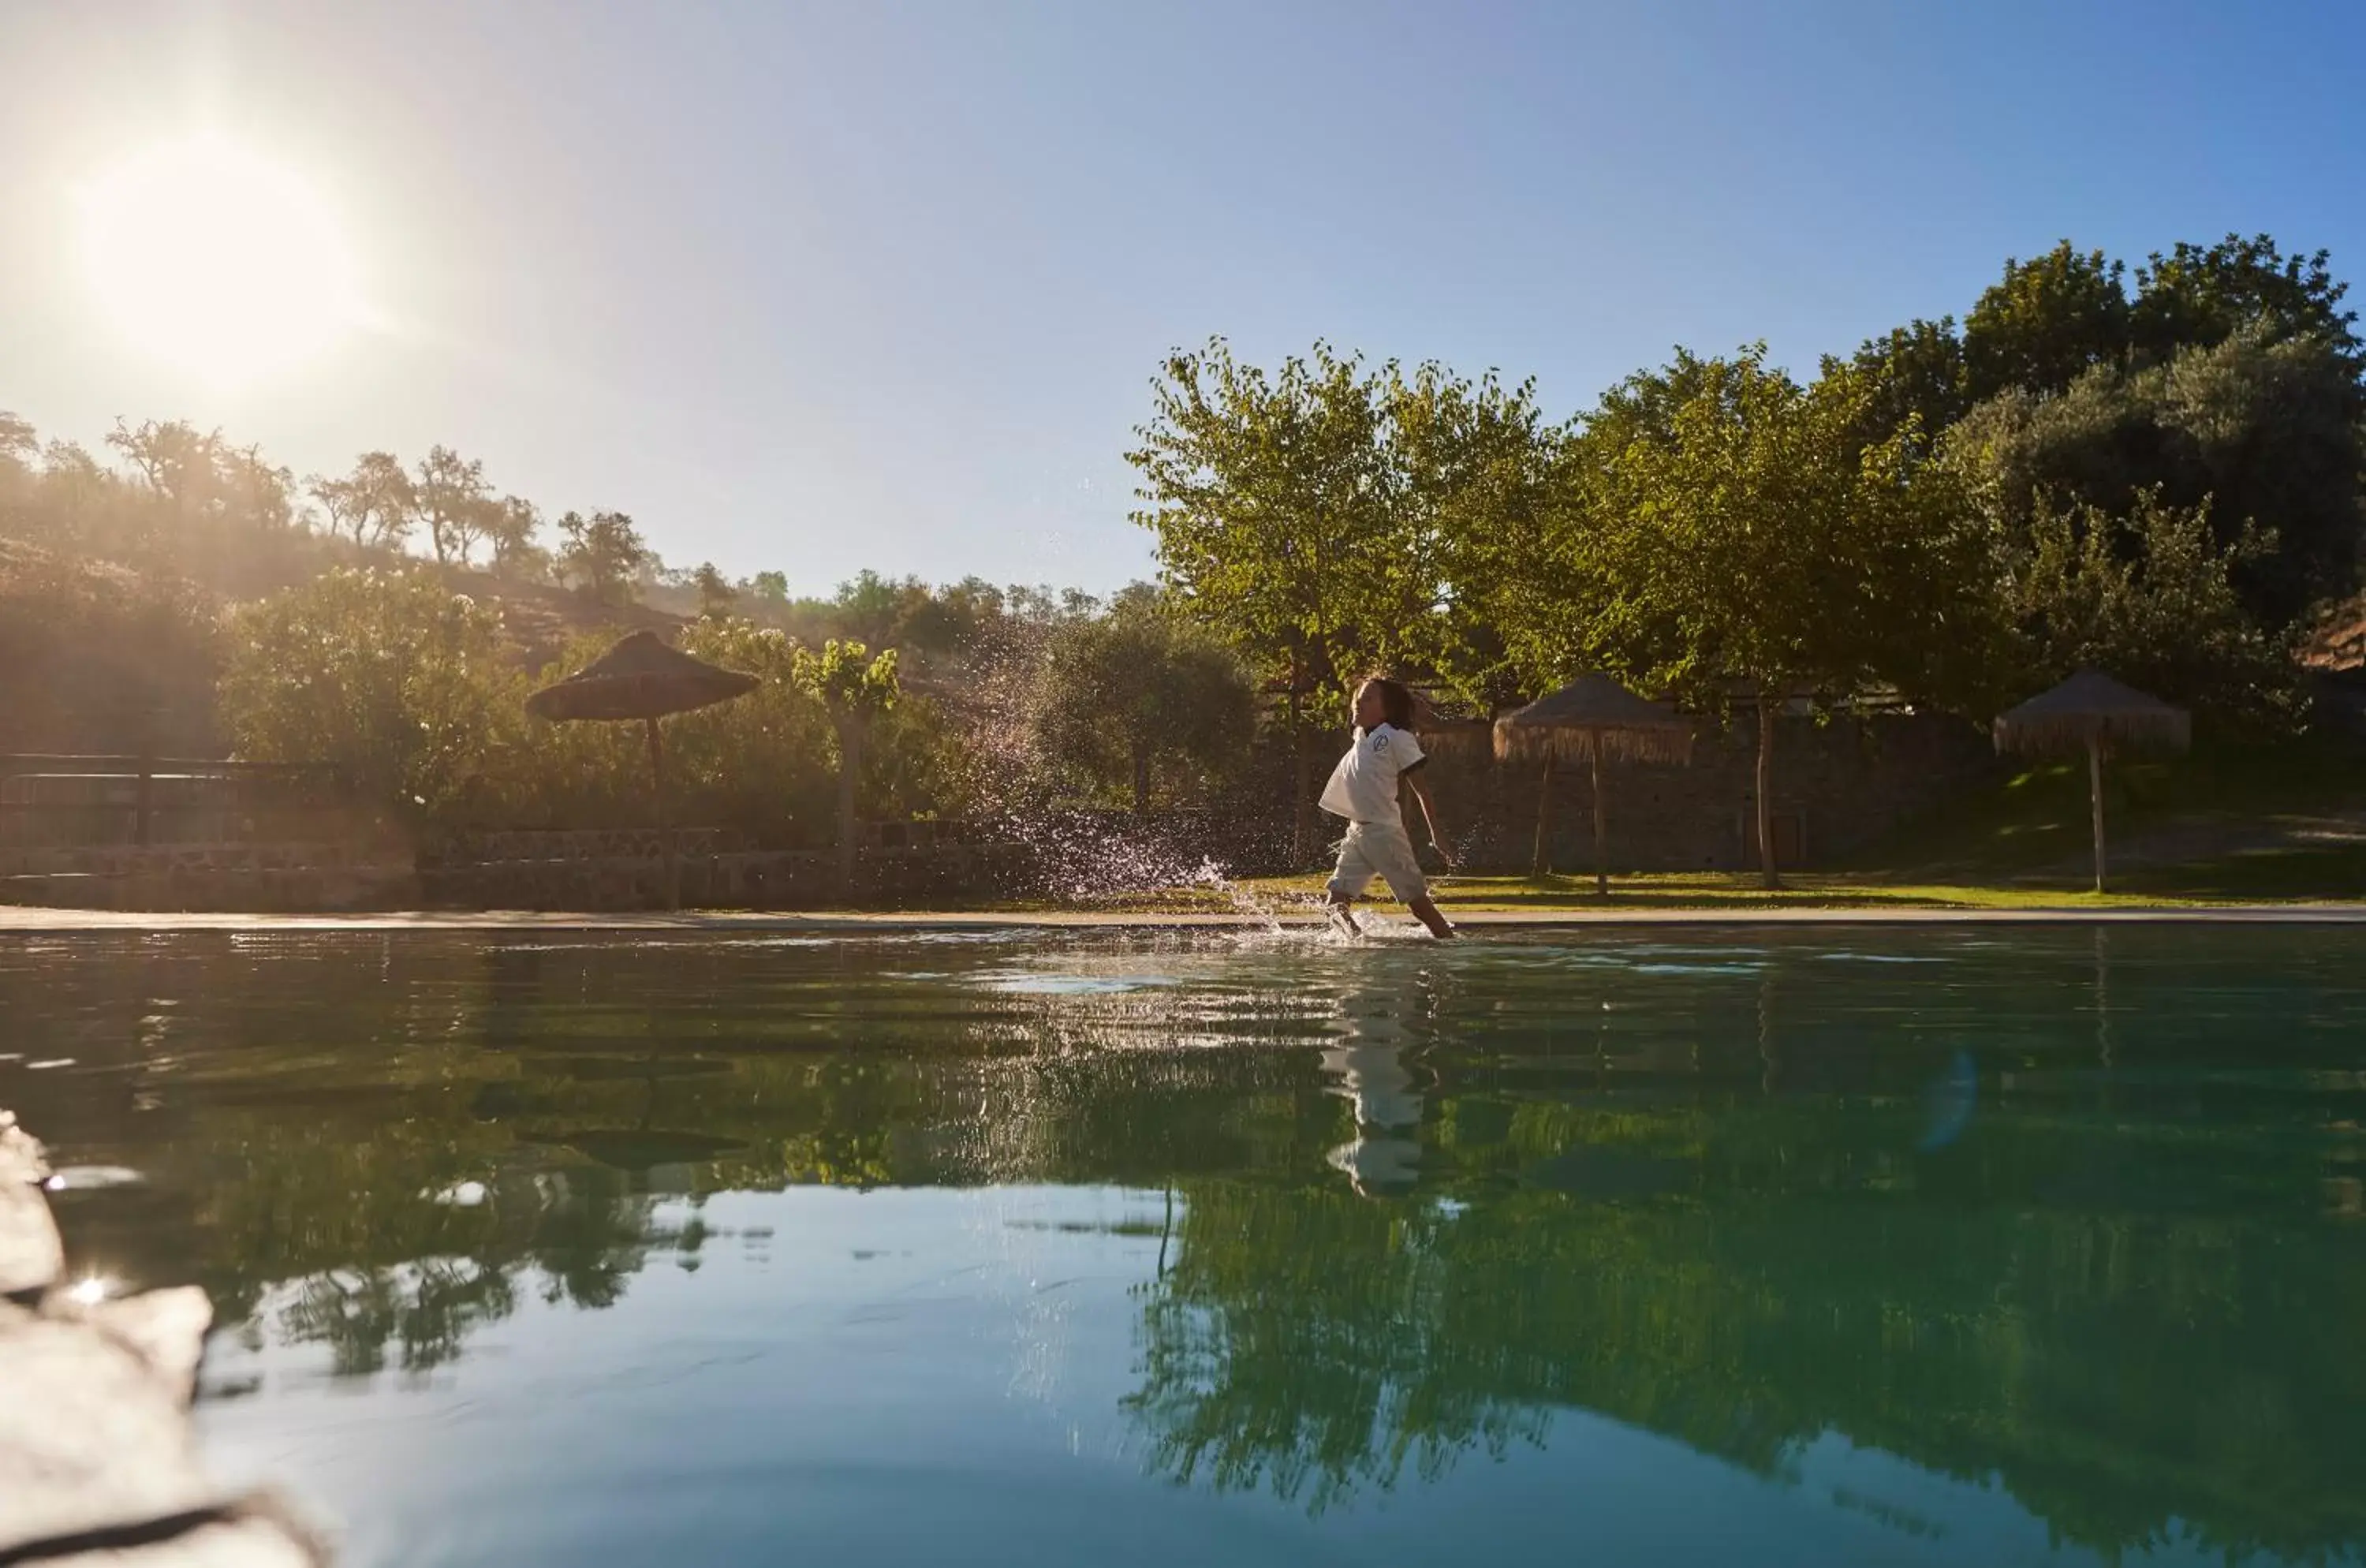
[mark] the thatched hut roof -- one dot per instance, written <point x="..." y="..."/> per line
<point x="2091" y="706"/>
<point x="1465" y="737"/>
<point x="1595" y="714"/>
<point x="640" y="678"/>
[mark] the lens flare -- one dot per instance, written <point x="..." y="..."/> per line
<point x="213" y="258"/>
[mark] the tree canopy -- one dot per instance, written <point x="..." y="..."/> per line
<point x="2155" y="467"/>
<point x="1140" y="694"/>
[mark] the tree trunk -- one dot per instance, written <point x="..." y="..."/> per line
<point x="1769" y="874"/>
<point x="849" y="769"/>
<point x="673" y="870"/>
<point x="1141" y="780"/>
<point x="2095" y="800"/>
<point x="1301" y="820"/>
<point x="1539" y="864"/>
<point x="1601" y="836"/>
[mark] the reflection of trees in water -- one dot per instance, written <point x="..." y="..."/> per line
<point x="1704" y="1216"/>
<point x="1746" y="1278"/>
<point x="1280" y="1357"/>
<point x="578" y="1237"/>
<point x="351" y="1237"/>
<point x="426" y="1308"/>
<point x="318" y="1169"/>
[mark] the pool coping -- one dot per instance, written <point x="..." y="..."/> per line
<point x="30" y="921"/>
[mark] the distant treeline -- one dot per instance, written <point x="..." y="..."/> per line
<point x="2155" y="470"/>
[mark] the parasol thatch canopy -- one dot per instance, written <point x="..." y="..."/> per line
<point x="638" y="678"/>
<point x="1592" y="718"/>
<point x="2093" y="713"/>
<point x="642" y="678"/>
<point x="1594" y="715"/>
<point x="2092" y="708"/>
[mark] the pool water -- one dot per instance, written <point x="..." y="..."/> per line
<point x="1819" y="1246"/>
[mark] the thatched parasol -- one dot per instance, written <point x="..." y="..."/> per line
<point x="1592" y="715"/>
<point x="2095" y="713"/>
<point x="642" y="678"/>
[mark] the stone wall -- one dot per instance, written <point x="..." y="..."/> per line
<point x="327" y="878"/>
<point x="1838" y="786"/>
<point x="576" y="844"/>
<point x="270" y="878"/>
<point x="70" y="809"/>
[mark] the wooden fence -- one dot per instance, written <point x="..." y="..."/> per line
<point x="55" y="798"/>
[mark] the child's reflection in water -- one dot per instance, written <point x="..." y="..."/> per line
<point x="1370" y="1068"/>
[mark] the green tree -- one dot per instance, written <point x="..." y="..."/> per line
<point x="2265" y="430"/>
<point x="715" y="594"/>
<point x="882" y="611"/>
<point x="390" y="676"/>
<point x="2150" y="596"/>
<point x="509" y="525"/>
<point x="174" y="459"/>
<point x="212" y="495"/>
<point x="1126" y="697"/>
<point x="2204" y="295"/>
<point x="1272" y="501"/>
<point x="1917" y="372"/>
<point x="451" y="496"/>
<point x="1737" y="540"/>
<point x="854" y="689"/>
<point x="74" y="502"/>
<point x="2046" y="323"/>
<point x="601" y="554"/>
<point x="20" y="477"/>
<point x="771" y="587"/>
<point x="377" y="502"/>
<point x="1472" y="467"/>
<point x="19" y="470"/>
<point x="96" y="657"/>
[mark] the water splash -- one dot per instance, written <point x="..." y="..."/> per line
<point x="1085" y="857"/>
<point x="1072" y="854"/>
<point x="1243" y="901"/>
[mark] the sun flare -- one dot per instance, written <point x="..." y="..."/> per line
<point x="209" y="256"/>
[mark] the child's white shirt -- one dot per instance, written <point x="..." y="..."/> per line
<point x="1363" y="787"/>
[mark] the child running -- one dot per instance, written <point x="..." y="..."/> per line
<point x="1363" y="789"/>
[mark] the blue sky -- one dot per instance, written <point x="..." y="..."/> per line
<point x="816" y="288"/>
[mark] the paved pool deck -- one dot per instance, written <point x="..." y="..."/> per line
<point x="22" y="920"/>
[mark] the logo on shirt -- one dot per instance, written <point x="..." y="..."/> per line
<point x="1380" y="742"/>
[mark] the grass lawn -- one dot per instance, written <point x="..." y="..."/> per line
<point x="2219" y="884"/>
<point x="2266" y="824"/>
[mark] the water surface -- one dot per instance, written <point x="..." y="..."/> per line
<point x="1974" y="1246"/>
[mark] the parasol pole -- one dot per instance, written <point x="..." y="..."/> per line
<point x="1601" y="857"/>
<point x="665" y="818"/>
<point x="2095" y="796"/>
<point x="1537" y="865"/>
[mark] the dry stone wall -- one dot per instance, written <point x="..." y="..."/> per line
<point x="1840" y="786"/>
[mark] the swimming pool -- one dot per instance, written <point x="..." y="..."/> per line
<point x="1966" y="1245"/>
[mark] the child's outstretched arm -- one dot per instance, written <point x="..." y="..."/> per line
<point x="1429" y="819"/>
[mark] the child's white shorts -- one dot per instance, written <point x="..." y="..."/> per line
<point x="1382" y="850"/>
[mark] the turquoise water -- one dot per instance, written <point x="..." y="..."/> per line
<point x="1971" y="1246"/>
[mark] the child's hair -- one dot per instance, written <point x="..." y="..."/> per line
<point x="1396" y="701"/>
